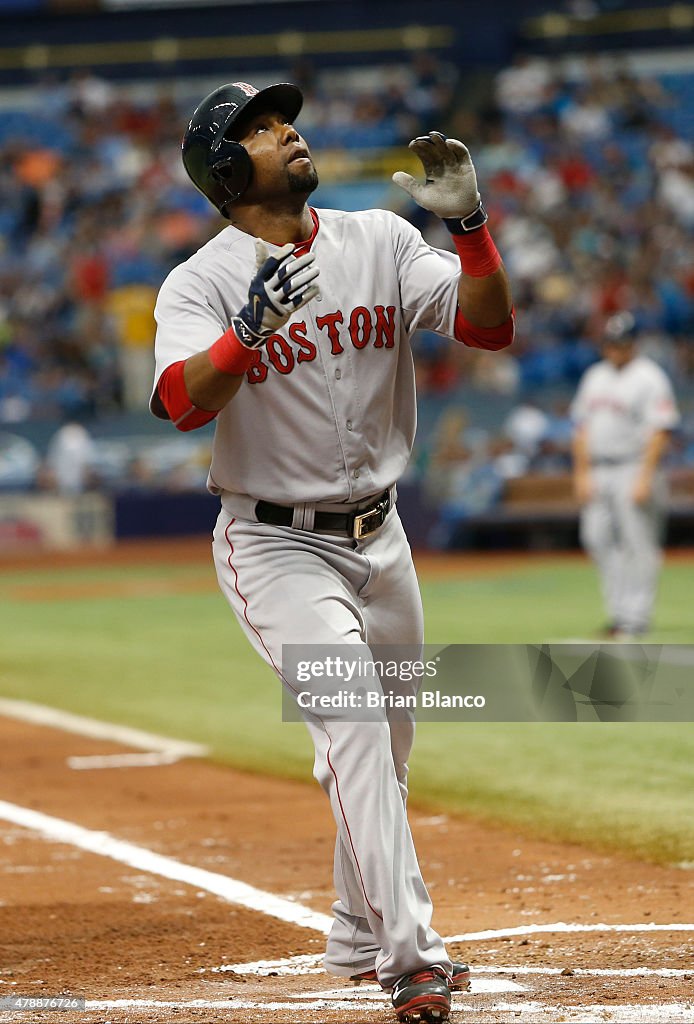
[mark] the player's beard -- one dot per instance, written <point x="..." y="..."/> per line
<point x="304" y="183"/>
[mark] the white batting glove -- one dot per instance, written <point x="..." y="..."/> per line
<point x="282" y="285"/>
<point x="450" y="189"/>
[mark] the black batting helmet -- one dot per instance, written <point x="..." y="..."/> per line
<point x="218" y="166"/>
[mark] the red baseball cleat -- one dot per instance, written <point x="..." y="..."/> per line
<point x="459" y="980"/>
<point x="423" y="997"/>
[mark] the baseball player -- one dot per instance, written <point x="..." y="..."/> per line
<point x="311" y="381"/>
<point x="624" y="410"/>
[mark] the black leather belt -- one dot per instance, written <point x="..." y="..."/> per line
<point x="352" y="524"/>
<point x="613" y="460"/>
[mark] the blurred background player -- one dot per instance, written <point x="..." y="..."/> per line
<point x="624" y="411"/>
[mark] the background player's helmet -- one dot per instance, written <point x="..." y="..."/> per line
<point x="620" y="328"/>
<point x="218" y="166"/>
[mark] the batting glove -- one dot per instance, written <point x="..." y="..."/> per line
<point x="450" y="189"/>
<point x="282" y="284"/>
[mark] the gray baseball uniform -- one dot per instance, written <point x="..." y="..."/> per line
<point x="619" y="409"/>
<point x="325" y="422"/>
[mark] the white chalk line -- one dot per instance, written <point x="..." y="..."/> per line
<point x="312" y="963"/>
<point x="305" y="963"/>
<point x="561" y="927"/>
<point x="598" y="1013"/>
<point x="105" y="845"/>
<point x="484" y="985"/>
<point x="151" y="760"/>
<point x="306" y="1001"/>
<point x="592" y="972"/>
<point x="479" y="986"/>
<point x="168" y="749"/>
<point x="621" y="1013"/>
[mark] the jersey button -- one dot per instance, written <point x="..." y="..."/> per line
<point x="338" y="374"/>
<point x="349" y="424"/>
<point x="356" y="474"/>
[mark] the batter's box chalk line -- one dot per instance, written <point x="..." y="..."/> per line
<point x="373" y="993"/>
<point x="529" y="1011"/>
<point x="313" y="963"/>
<point x="105" y="845"/>
<point x="157" y="750"/>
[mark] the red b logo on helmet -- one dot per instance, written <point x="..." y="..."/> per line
<point x="245" y="87"/>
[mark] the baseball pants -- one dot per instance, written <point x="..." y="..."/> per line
<point x="624" y="541"/>
<point x="297" y="587"/>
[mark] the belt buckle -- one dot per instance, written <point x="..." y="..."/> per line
<point x="370" y="521"/>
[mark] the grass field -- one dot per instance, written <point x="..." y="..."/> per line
<point x="154" y="646"/>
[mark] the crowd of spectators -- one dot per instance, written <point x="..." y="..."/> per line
<point x="589" y="181"/>
<point x="93" y="213"/>
<point x="95" y="209"/>
<point x="590" y="187"/>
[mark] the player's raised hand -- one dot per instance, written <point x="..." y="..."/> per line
<point x="282" y="284"/>
<point x="450" y="189"/>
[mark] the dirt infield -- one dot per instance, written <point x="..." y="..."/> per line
<point x="73" y="921"/>
<point x="190" y="550"/>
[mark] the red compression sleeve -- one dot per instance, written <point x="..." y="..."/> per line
<point x="228" y="355"/>
<point x="174" y="396"/>
<point x="491" y="338"/>
<point x="479" y="256"/>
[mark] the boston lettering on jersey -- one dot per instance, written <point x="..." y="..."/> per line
<point x="360" y="328"/>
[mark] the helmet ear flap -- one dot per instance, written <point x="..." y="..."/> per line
<point x="218" y="165"/>
<point x="232" y="170"/>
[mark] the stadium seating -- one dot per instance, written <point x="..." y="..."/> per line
<point x="582" y="182"/>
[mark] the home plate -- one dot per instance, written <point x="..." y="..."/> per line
<point x="479" y="985"/>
